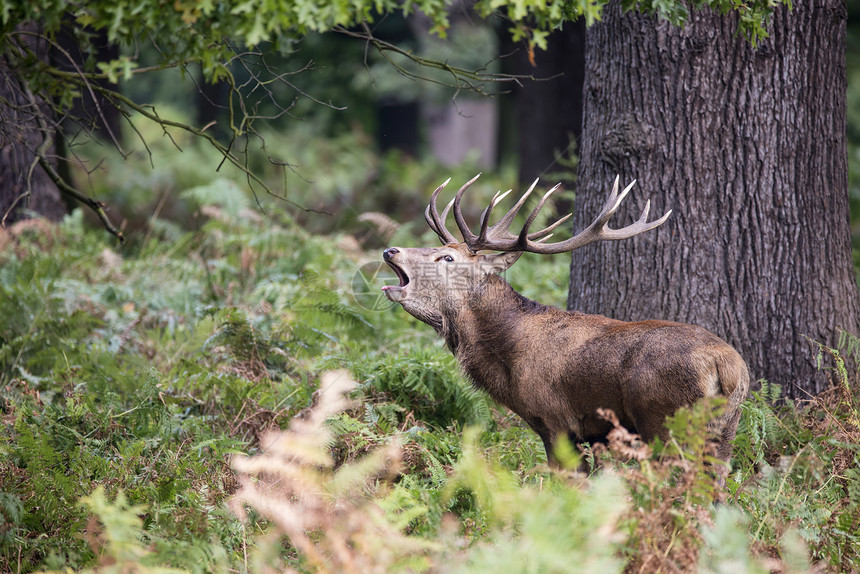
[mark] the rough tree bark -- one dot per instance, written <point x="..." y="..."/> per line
<point x="747" y="146"/>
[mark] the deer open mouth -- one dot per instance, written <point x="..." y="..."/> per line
<point x="393" y="292"/>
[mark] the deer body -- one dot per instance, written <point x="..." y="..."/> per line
<point x="555" y="368"/>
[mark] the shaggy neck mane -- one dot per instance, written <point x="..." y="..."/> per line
<point x="482" y="333"/>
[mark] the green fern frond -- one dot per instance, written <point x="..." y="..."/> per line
<point x="425" y="383"/>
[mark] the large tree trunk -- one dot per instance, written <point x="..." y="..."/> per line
<point x="548" y="111"/>
<point x="25" y="188"/>
<point x="747" y="147"/>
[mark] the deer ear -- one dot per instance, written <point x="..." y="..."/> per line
<point x="499" y="262"/>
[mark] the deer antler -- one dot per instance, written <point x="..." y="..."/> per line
<point x="499" y="238"/>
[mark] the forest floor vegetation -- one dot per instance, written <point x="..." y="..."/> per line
<point x="234" y="396"/>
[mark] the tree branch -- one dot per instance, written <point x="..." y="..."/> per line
<point x="62" y="185"/>
<point x="462" y="78"/>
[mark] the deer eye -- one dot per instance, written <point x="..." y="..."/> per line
<point x="447" y="258"/>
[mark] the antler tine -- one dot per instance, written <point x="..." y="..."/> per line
<point x="641" y="225"/>
<point x="598" y="229"/>
<point x="444" y="235"/>
<point x="540" y="234"/>
<point x="468" y="236"/>
<point x="643" y="217"/>
<point x="485" y="216"/>
<point x="505" y="221"/>
<point x="429" y="219"/>
<point x="612" y="194"/>
<point x="437" y="223"/>
<point x="614" y="200"/>
<point x="524" y="233"/>
<point x="444" y="216"/>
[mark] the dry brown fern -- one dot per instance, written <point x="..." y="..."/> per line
<point x="331" y="518"/>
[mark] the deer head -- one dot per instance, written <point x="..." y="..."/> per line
<point x="436" y="282"/>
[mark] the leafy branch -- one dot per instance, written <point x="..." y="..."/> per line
<point x="51" y="90"/>
<point x="461" y="78"/>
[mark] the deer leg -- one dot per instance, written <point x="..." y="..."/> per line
<point x="548" y="437"/>
<point x="549" y="441"/>
<point x="727" y="435"/>
<point x="724" y="447"/>
<point x="548" y="445"/>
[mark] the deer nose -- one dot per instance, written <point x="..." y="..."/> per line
<point x="389" y="253"/>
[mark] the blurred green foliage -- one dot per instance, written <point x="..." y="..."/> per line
<point x="203" y="32"/>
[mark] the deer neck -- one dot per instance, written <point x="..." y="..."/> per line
<point x="483" y="333"/>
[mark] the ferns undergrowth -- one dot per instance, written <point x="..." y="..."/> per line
<point x="143" y="395"/>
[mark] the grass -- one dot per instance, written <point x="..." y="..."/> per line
<point x="143" y="391"/>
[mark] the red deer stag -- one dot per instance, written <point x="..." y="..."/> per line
<point x="555" y="368"/>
